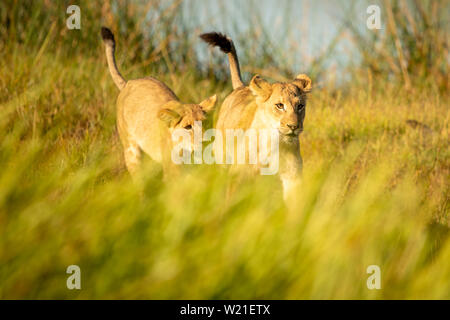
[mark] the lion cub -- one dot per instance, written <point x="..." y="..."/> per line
<point x="140" y="106"/>
<point x="261" y="105"/>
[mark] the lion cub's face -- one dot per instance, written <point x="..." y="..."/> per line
<point x="283" y="104"/>
<point x="187" y="117"/>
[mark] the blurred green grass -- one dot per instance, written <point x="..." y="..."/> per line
<point x="375" y="191"/>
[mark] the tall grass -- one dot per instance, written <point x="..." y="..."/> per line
<point x="413" y="45"/>
<point x="375" y="190"/>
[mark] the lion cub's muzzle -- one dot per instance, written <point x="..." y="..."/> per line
<point x="291" y="130"/>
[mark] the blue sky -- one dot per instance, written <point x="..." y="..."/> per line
<point x="306" y="27"/>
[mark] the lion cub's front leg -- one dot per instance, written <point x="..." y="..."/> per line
<point x="290" y="167"/>
<point x="132" y="155"/>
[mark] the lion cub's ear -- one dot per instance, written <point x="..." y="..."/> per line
<point x="208" y="104"/>
<point x="260" y="87"/>
<point x="169" y="116"/>
<point x="303" y="82"/>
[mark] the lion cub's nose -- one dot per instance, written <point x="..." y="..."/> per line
<point x="292" y="126"/>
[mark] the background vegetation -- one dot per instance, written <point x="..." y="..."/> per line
<point x="375" y="148"/>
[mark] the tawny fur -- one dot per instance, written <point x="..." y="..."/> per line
<point x="257" y="106"/>
<point x="148" y="112"/>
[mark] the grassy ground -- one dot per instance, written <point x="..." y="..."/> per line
<point x="375" y="192"/>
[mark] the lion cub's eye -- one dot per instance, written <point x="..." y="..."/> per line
<point x="280" y="106"/>
<point x="188" y="127"/>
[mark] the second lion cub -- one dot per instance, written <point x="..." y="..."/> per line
<point x="141" y="104"/>
<point x="265" y="106"/>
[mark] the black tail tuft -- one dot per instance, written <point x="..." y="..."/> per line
<point x="218" y="40"/>
<point x="107" y="35"/>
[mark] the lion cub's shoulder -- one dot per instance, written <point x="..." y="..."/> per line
<point x="238" y="110"/>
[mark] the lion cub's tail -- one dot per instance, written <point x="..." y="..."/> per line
<point x="110" y="45"/>
<point x="226" y="45"/>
